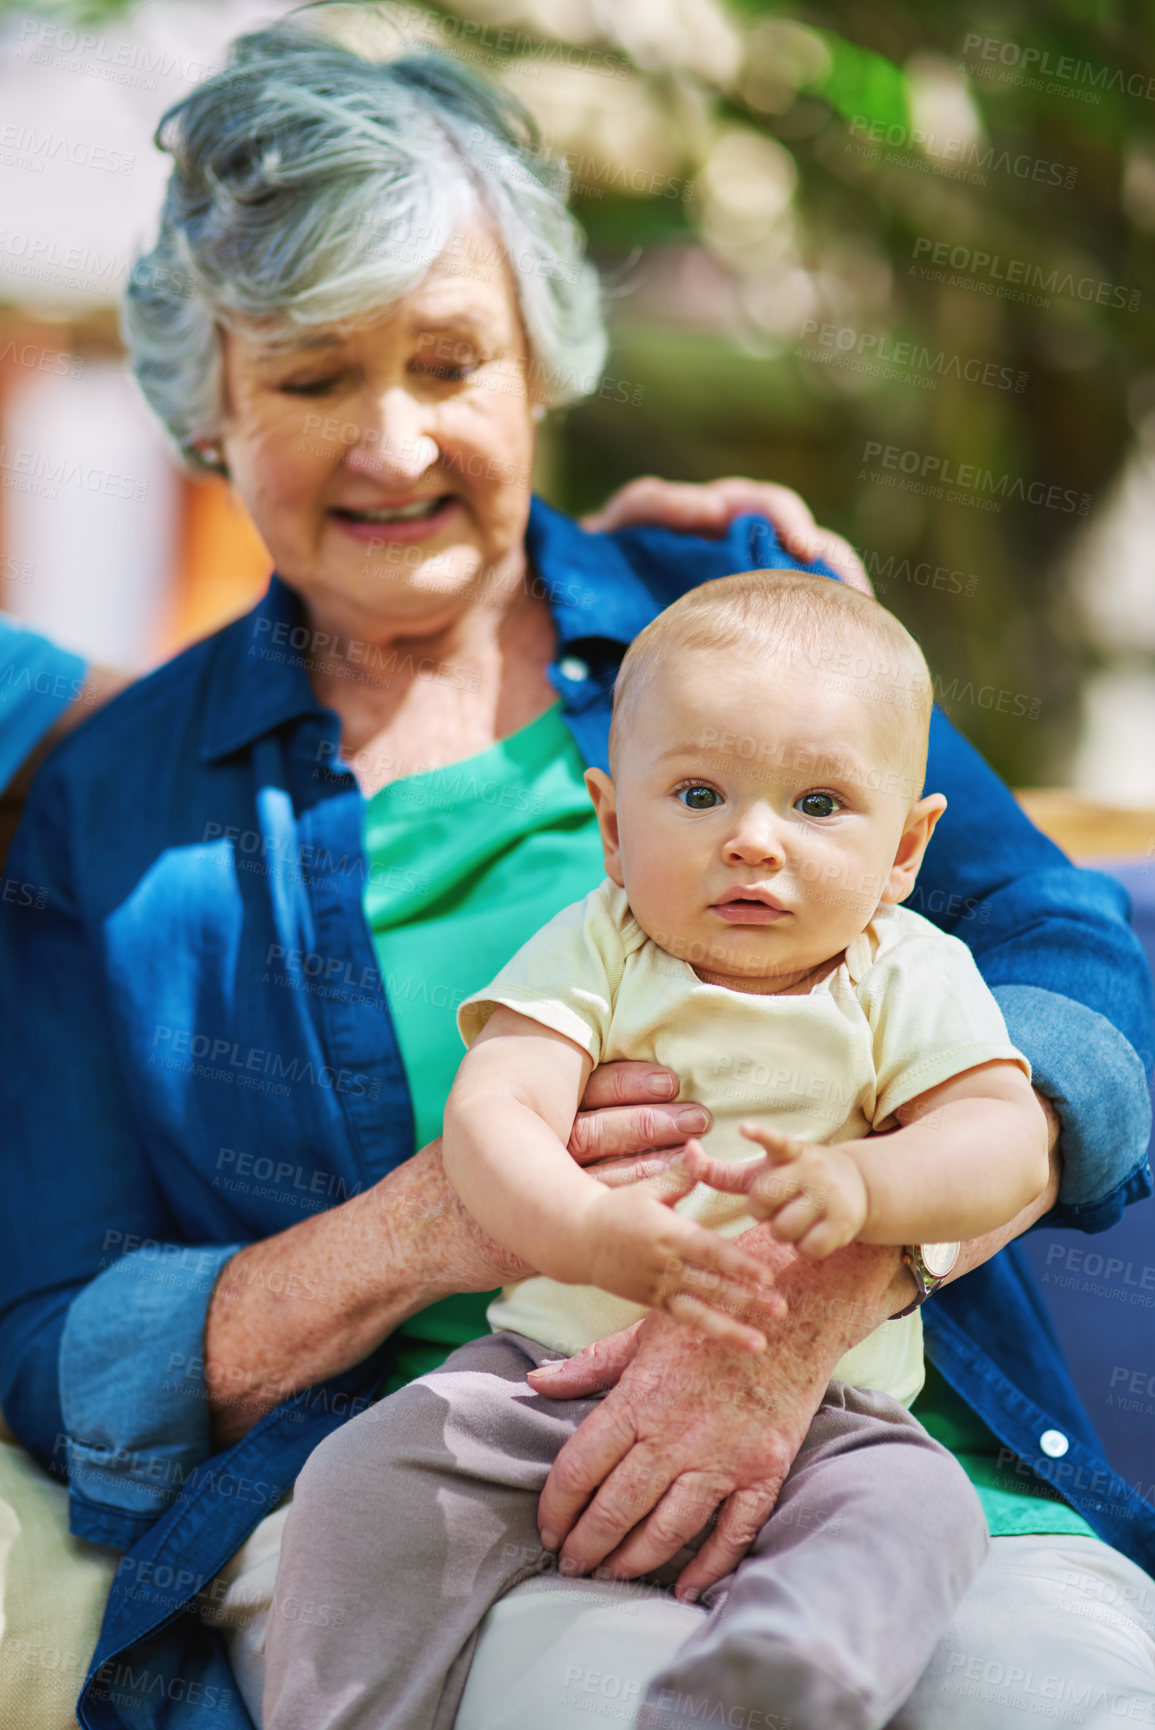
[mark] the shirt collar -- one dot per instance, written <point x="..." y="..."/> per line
<point x="260" y="679"/>
<point x="592" y="589"/>
<point x="861" y="952"/>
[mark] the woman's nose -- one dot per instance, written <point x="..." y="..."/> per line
<point x="395" y="444"/>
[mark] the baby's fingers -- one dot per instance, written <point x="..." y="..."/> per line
<point x="791" y="1223"/>
<point x="713" y="1254"/>
<point x="822" y="1240"/>
<point x="715" y="1324"/>
<point x="690" y="1166"/>
<point x="755" y="1304"/>
<point x="781" y="1149"/>
<point x="767" y="1187"/>
<point x="729" y="1176"/>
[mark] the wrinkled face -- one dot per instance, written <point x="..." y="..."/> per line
<point x="387" y="464"/>
<point x="755" y="818"/>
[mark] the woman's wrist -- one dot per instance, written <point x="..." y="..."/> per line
<point x="312" y="1301"/>
<point x="420" y="1255"/>
<point x="435" y="1246"/>
<point x="840" y="1299"/>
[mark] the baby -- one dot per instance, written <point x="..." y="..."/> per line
<point x="762" y="822"/>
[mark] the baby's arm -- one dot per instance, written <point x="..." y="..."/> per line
<point x="971" y="1153"/>
<point x="506" y="1123"/>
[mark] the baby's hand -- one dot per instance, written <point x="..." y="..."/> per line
<point x="639" y="1248"/>
<point x="814" y="1196"/>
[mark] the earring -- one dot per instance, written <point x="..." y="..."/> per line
<point x="211" y="455"/>
<point x="538" y="411"/>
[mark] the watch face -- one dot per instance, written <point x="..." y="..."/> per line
<point x="939" y="1258"/>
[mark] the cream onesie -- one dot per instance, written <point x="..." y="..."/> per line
<point x="905" y="1010"/>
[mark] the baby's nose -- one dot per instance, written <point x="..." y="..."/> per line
<point x="757" y="842"/>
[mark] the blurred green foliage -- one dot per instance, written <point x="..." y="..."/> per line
<point x="724" y="401"/>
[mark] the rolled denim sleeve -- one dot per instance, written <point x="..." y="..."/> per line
<point x="1054" y="943"/>
<point x="102" y="1306"/>
<point x="1096" y="1082"/>
<point x="132" y="1388"/>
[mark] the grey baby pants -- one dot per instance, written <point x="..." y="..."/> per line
<point x="412" y="1520"/>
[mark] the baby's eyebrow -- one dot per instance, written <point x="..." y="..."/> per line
<point x="696" y="749"/>
<point x="793" y="760"/>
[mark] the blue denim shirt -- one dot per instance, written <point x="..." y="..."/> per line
<point x="171" y="1093"/>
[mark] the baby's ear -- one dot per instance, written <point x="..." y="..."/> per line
<point x="600" y="788"/>
<point x="916" y="833"/>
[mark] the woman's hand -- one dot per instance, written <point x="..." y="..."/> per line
<point x="628" y="1111"/>
<point x="687" y="1427"/>
<point x="690" y="1428"/>
<point x="708" y="509"/>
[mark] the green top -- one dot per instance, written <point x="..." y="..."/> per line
<point x="1014" y="1505"/>
<point x="505" y="840"/>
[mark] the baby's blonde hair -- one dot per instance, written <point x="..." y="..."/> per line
<point x="846" y="637"/>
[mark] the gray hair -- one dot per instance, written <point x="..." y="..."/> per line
<point x="313" y="182"/>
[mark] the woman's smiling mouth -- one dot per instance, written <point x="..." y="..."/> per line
<point x="412" y="520"/>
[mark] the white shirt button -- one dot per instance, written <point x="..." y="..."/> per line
<point x="573" y="667"/>
<point x="1054" y="1443"/>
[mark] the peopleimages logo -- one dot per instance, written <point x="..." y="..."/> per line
<point x="880" y="355"/>
<point x="952" y="155"/>
<point x="1039" y="69"/>
<point x="937" y="477"/>
<point x="1021" y="273"/>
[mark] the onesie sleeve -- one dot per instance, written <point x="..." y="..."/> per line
<point x="930" y="1012"/>
<point x="567" y="976"/>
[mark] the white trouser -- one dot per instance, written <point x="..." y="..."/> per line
<point x="1056" y="1629"/>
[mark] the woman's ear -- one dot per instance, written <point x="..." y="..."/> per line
<point x="917" y="831"/>
<point x="601" y="790"/>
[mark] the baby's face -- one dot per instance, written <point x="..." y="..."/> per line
<point x="757" y="816"/>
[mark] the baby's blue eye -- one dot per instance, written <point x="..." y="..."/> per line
<point x="698" y="798"/>
<point x="817" y="805"/>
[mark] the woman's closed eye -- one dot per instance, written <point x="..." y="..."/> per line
<point x="454" y="362"/>
<point x="818" y="803"/>
<point x="309" y="386"/>
<point x="445" y="371"/>
<point x="450" y="372"/>
<point x="698" y="795"/>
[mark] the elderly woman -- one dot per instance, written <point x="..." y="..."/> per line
<point x="273" y="869"/>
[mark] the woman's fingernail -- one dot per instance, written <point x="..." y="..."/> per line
<point x="661" y="1086"/>
<point x="690" y="1595"/>
<point x="692" y="1119"/>
<point x="565" y="1566"/>
<point x="549" y="1540"/>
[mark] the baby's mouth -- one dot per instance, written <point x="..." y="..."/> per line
<point x="750" y="907"/>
